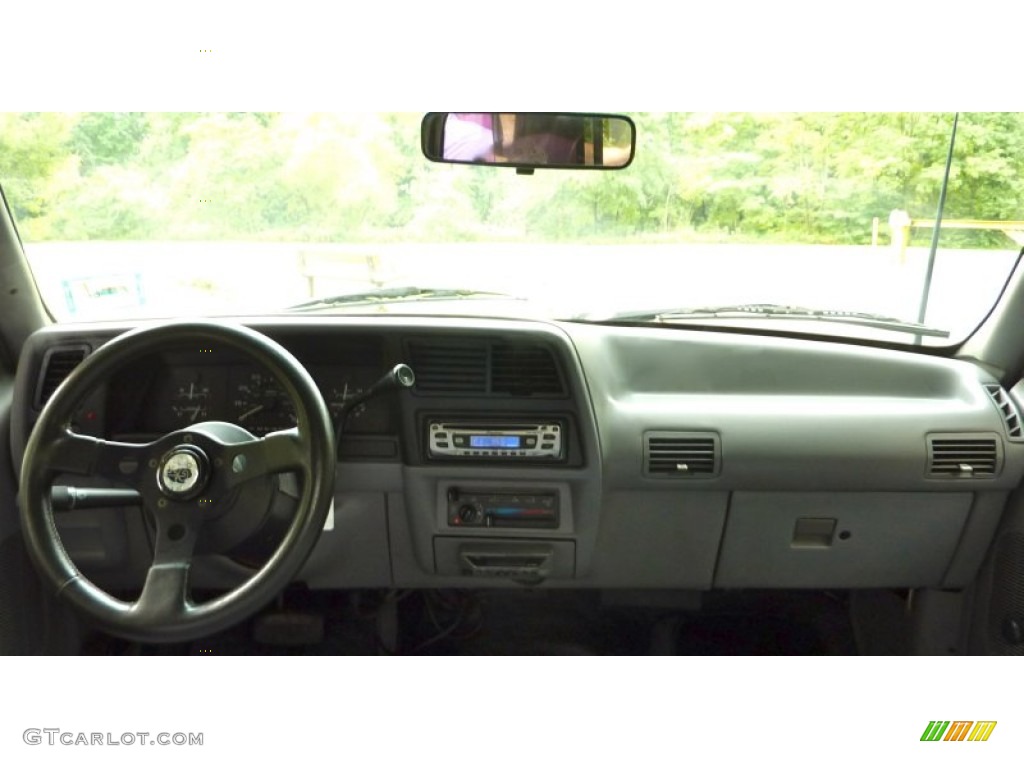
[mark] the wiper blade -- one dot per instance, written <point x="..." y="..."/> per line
<point x="398" y="294"/>
<point x="777" y="312"/>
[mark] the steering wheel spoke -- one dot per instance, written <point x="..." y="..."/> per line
<point x="77" y="454"/>
<point x="276" y="453"/>
<point x="165" y="593"/>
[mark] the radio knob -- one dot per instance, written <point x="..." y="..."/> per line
<point x="468" y="513"/>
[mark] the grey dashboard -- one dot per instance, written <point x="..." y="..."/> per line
<point x="563" y="454"/>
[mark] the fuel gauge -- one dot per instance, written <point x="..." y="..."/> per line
<point x="339" y="396"/>
<point x="190" y="398"/>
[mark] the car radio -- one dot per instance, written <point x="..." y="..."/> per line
<point x="476" y="440"/>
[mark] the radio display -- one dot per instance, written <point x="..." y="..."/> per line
<point x="494" y="441"/>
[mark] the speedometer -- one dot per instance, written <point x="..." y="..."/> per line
<point x="260" y="404"/>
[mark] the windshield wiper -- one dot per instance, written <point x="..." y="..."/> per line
<point x="774" y="312"/>
<point x="400" y="294"/>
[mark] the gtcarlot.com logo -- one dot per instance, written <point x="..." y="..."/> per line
<point x="958" y="730"/>
<point x="57" y="737"/>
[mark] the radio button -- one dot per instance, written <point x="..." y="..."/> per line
<point x="530" y="442"/>
<point x="460" y="440"/>
<point x="442" y="444"/>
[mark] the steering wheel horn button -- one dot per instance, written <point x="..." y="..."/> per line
<point x="183" y="472"/>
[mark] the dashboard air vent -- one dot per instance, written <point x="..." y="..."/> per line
<point x="449" y="366"/>
<point x="1008" y="411"/>
<point x="682" y="454"/>
<point x="485" y="367"/>
<point x="58" y="364"/>
<point x="963" y="456"/>
<point x="524" y="370"/>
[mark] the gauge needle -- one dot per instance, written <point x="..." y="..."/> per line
<point x="191" y="388"/>
<point x="195" y="412"/>
<point x="250" y="412"/>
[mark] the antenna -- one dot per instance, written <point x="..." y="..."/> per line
<point x="926" y="289"/>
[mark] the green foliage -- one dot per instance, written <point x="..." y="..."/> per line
<point x="33" y="149"/>
<point x="772" y="176"/>
<point x="107" y="138"/>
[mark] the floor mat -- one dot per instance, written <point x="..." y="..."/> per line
<point x="747" y="636"/>
<point x="532" y="623"/>
<point x="767" y="623"/>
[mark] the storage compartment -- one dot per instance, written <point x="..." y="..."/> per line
<point x="519" y="559"/>
<point x="850" y="540"/>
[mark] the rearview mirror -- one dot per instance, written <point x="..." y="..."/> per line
<point x="528" y="140"/>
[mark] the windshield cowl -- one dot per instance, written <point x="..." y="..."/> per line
<point x="772" y="312"/>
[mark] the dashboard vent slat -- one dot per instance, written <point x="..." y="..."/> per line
<point x="58" y="364"/>
<point x="1007" y="410"/>
<point x="527" y="370"/>
<point x="449" y="367"/>
<point x="470" y="367"/>
<point x="964" y="456"/>
<point x="682" y="454"/>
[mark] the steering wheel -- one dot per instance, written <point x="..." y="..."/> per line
<point x="186" y="480"/>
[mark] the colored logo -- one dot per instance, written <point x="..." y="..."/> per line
<point x="959" y="730"/>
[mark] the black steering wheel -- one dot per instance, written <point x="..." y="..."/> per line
<point x="185" y="479"/>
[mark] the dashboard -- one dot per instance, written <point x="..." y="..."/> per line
<point x="563" y="454"/>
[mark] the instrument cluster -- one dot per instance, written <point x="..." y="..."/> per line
<point x="172" y="391"/>
<point x="251" y="397"/>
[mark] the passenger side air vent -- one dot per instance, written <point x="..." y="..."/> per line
<point x="469" y="367"/>
<point x="964" y="456"/>
<point x="449" y="366"/>
<point x="58" y="364"/>
<point x="1007" y="409"/>
<point x="524" y="370"/>
<point x="682" y="454"/>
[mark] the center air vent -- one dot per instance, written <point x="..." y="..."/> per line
<point x="964" y="456"/>
<point x="682" y="454"/>
<point x="58" y="364"/>
<point x="443" y="366"/>
<point x="528" y="370"/>
<point x="470" y="367"/>
<point x="1007" y="409"/>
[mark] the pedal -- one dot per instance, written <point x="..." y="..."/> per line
<point x="288" y="628"/>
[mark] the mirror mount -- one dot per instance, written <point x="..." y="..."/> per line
<point x="530" y="140"/>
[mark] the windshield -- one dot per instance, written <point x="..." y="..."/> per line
<point x="816" y="216"/>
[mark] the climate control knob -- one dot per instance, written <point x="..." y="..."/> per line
<point x="469" y="514"/>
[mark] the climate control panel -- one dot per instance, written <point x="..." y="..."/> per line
<point x="502" y="509"/>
